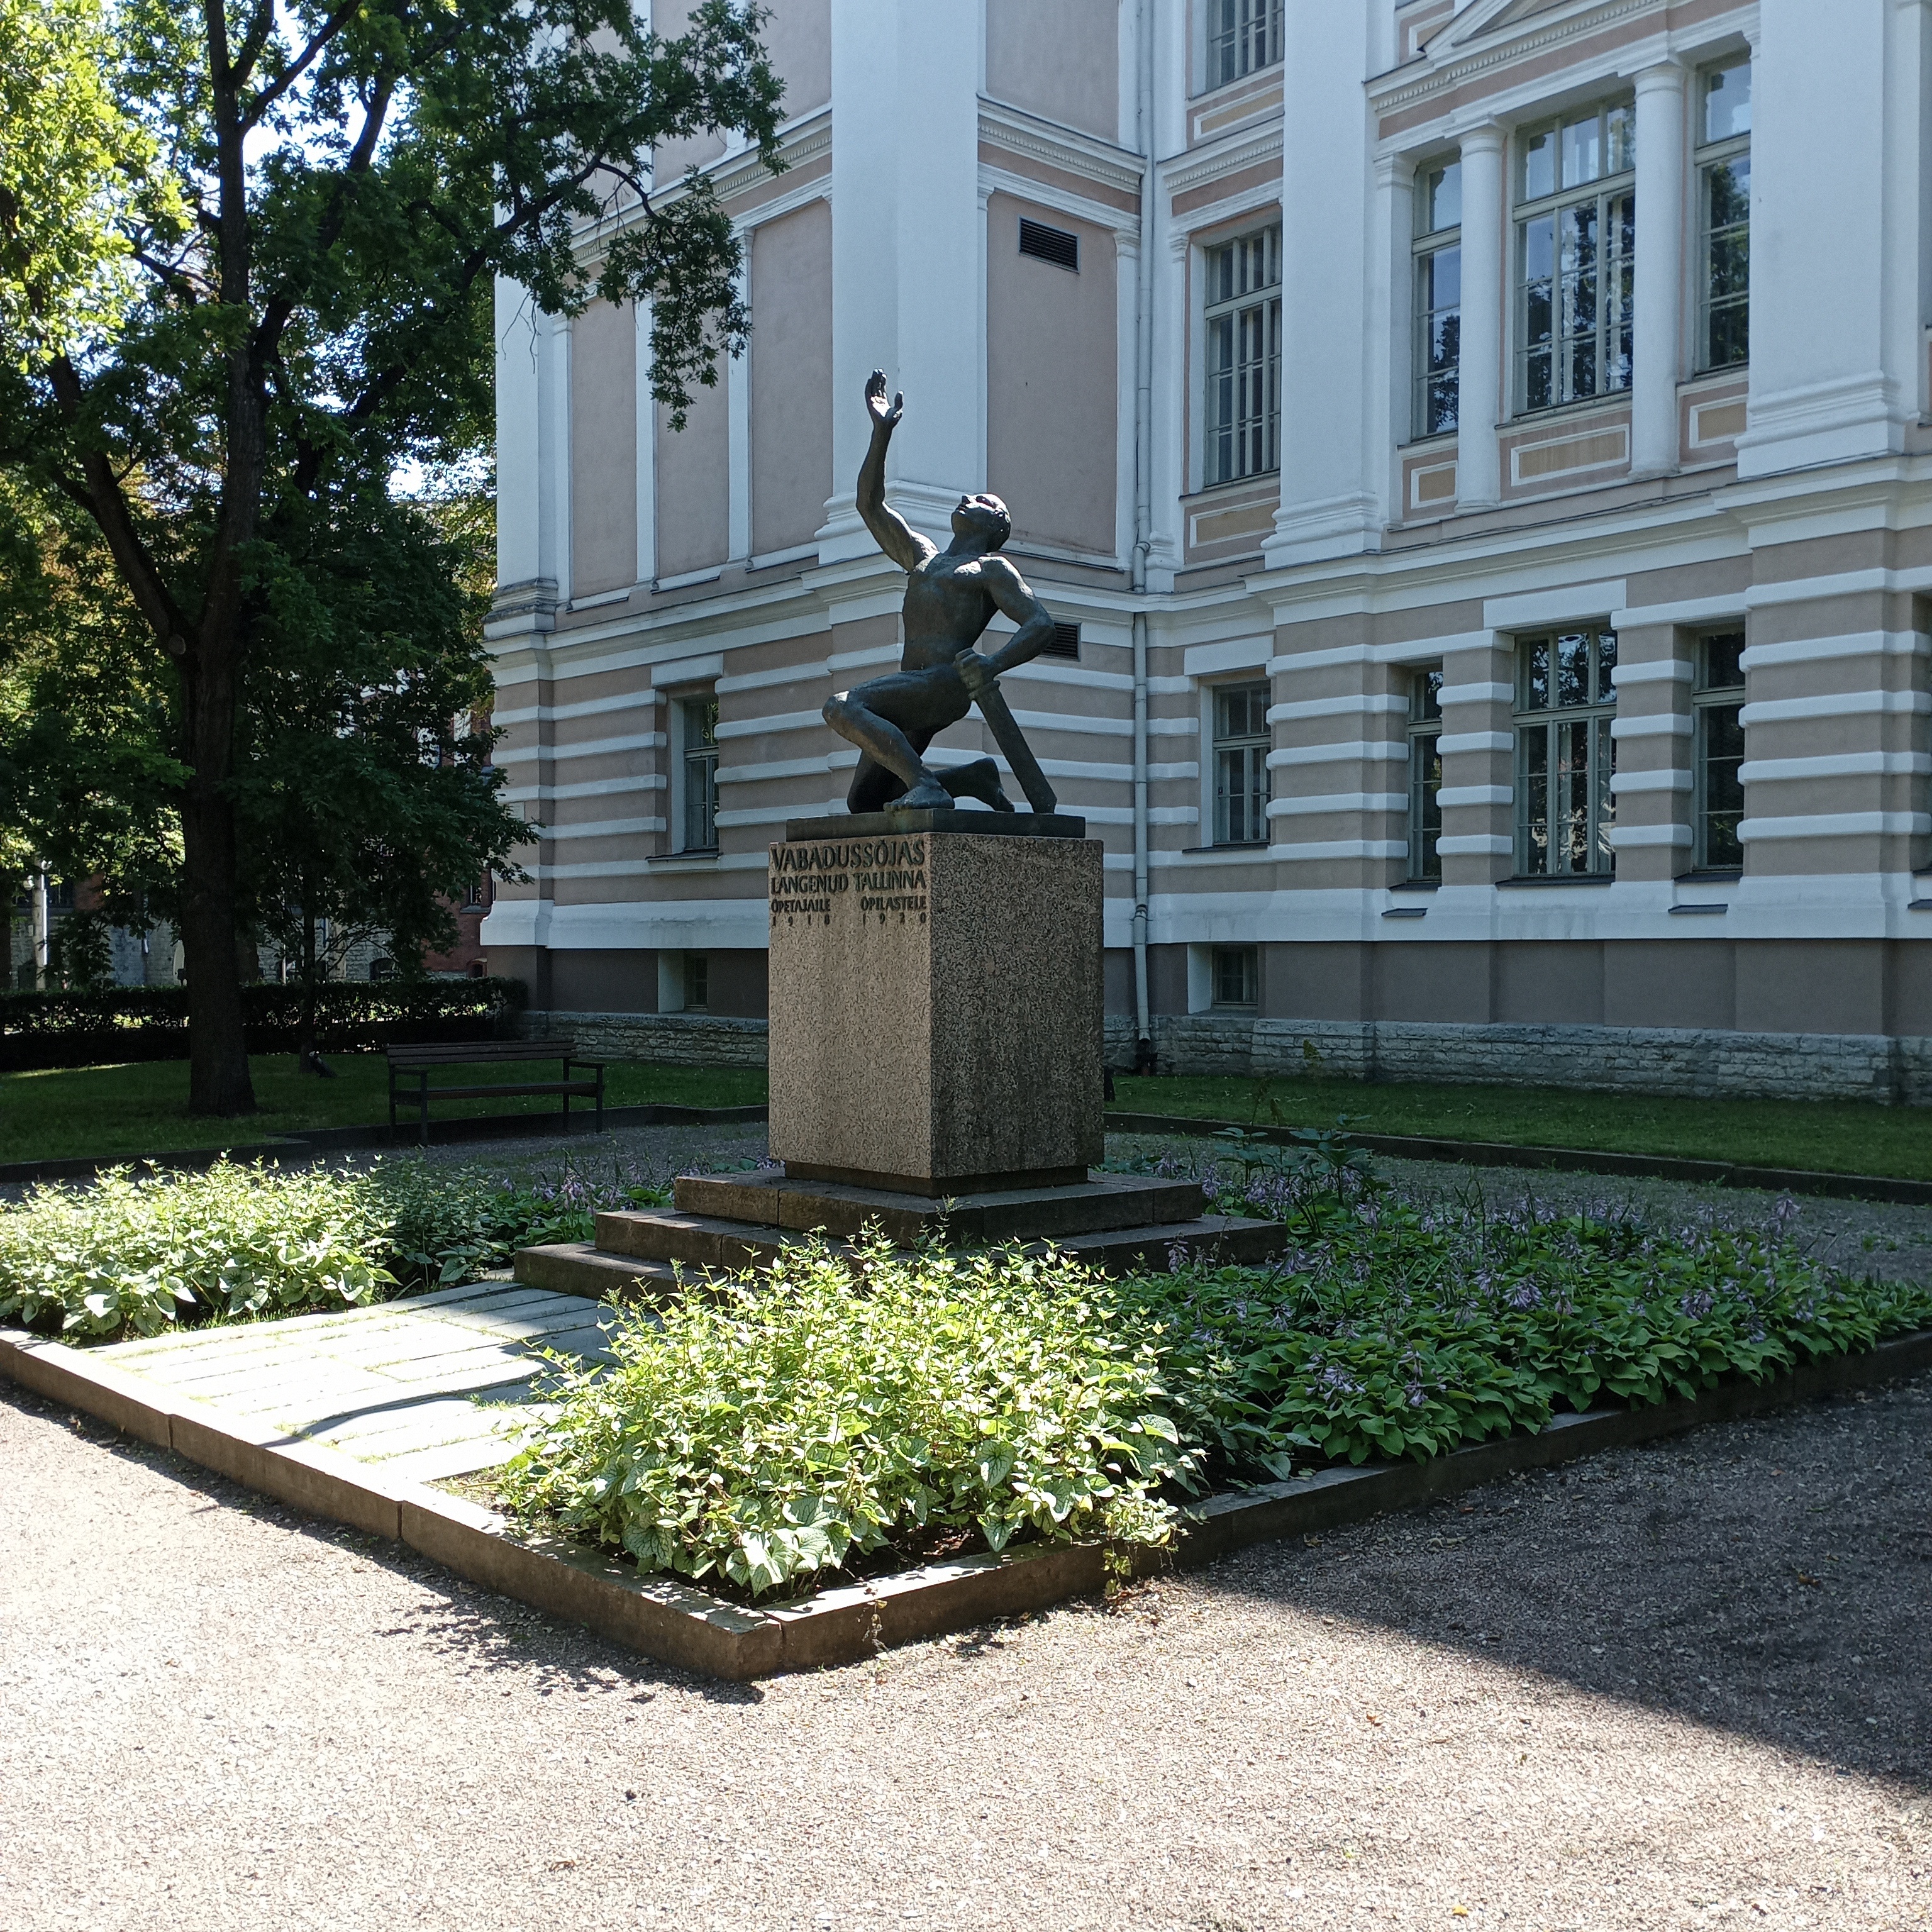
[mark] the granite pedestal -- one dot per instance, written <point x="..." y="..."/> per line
<point x="936" y="1009"/>
<point x="936" y="1068"/>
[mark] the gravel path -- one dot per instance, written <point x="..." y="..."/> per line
<point x="1680" y="1686"/>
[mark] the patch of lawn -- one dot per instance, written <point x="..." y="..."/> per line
<point x="1836" y="1136"/>
<point x="114" y="1112"/>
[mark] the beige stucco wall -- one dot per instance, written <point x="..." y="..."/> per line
<point x="670" y="20"/>
<point x="693" y="493"/>
<point x="790" y="377"/>
<point x="603" y="449"/>
<point x="1051" y="366"/>
<point x="798" y="38"/>
<point x="1060" y="60"/>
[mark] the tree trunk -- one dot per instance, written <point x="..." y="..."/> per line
<point x="217" y="1047"/>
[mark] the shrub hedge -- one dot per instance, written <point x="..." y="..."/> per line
<point x="122" y="1023"/>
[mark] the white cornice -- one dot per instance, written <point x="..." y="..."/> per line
<point x="1455" y="58"/>
<point x="1046" y="141"/>
<point x="1229" y="156"/>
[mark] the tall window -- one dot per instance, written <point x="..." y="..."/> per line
<point x="1243" y="342"/>
<point x="1243" y="35"/>
<point x="1723" y="209"/>
<point x="1576" y="242"/>
<point x="1240" y="765"/>
<point x="699" y="720"/>
<point x="1425" y="773"/>
<point x="1566" y="698"/>
<point x="1717" y="751"/>
<point x="1439" y="297"/>
<point x="697" y="981"/>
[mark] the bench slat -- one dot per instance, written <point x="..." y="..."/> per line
<point x="481" y="1052"/>
<point x="408" y="1096"/>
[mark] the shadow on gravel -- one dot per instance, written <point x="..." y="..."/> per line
<point x="491" y="1634"/>
<point x="1771" y="1578"/>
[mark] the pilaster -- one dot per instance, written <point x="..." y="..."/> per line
<point x="1479" y="407"/>
<point x="1658" y="323"/>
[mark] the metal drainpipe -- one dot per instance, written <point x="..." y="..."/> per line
<point x="42" y="931"/>
<point x="1143" y="519"/>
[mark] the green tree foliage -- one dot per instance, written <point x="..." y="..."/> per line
<point x="312" y="213"/>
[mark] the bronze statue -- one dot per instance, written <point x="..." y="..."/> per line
<point x="951" y="596"/>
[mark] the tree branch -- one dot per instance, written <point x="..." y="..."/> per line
<point x="259" y="106"/>
<point x="101" y="495"/>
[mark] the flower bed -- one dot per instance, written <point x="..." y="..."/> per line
<point x="829" y="1411"/>
<point x="135" y="1253"/>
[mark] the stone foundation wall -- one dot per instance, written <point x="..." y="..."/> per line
<point x="1706" y="1063"/>
<point x="676" y="1040"/>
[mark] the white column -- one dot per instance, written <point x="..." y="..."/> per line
<point x="647" y="452"/>
<point x="521" y="338"/>
<point x="1391" y="308"/>
<point x="1479" y="397"/>
<point x="1658" y="323"/>
<point x="738" y="426"/>
<point x="554" y="524"/>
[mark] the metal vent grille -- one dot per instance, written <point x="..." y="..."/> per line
<point x="1066" y="642"/>
<point x="1050" y="244"/>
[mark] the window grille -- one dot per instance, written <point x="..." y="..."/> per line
<point x="1243" y="36"/>
<point x="1242" y="740"/>
<point x="1243" y="328"/>
<point x="1565" y="756"/>
<point x="1056" y="245"/>
<point x="1237" y="976"/>
<point x="1718" y="752"/>
<point x="1438" y="297"/>
<point x="1723" y="205"/>
<point x="1425" y="773"/>
<point x="1576" y="247"/>
<point x="700" y="716"/>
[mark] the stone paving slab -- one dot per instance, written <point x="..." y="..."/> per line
<point x="431" y="1386"/>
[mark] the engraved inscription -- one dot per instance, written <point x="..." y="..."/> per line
<point x="885" y="876"/>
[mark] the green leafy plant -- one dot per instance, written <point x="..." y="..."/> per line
<point x="831" y="1407"/>
<point x="139" y="1253"/>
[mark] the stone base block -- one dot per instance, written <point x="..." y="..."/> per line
<point x="935" y="1002"/>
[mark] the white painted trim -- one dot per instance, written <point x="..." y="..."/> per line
<point x="1450" y="797"/>
<point x="647" y="451"/>
<point x="603" y="597"/>
<point x="1362" y="704"/>
<point x="738" y="430"/>
<point x="1575" y="604"/>
<point x="686" y="579"/>
<point x="1847" y="765"/>
<point x="589" y="747"/>
<point x="604" y="828"/>
<point x="1476" y="694"/>
<point x="1452" y="743"/>
<point x="1382" y="750"/>
<point x="1316" y="805"/>
<point x="1474" y="845"/>
<point x="1246" y="654"/>
<point x="643" y="700"/>
<point x="706" y="670"/>
<point x="1847" y="644"/>
<point x="1836" y="825"/>
<point x="772" y="558"/>
<point x="1686" y="611"/>
<point x="1673" y="726"/>
<point x="1837" y="704"/>
<point x="1343" y="848"/>
<point x="1638" y="838"/>
<point x="1631" y="784"/>
<point x="1668" y="671"/>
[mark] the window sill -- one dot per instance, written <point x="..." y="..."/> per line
<point x="1253" y="481"/>
<point x="706" y="855"/>
<point x="1234" y="845"/>
<point x="1709" y="875"/>
<point x="1250" y="1011"/>
<point x="1617" y="399"/>
<point x="1416" y="886"/>
<point x="1536" y="879"/>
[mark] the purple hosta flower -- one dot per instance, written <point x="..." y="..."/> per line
<point x="1177" y="1257"/>
<point x="1783" y="1212"/>
<point x="1418" y="1397"/>
<point x="1334" y="1382"/>
<point x="1698" y="1304"/>
<point x="1528" y="1295"/>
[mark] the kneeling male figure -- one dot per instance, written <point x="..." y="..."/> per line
<point x="951" y="596"/>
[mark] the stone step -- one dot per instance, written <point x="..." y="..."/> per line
<point x="698" y="1241"/>
<point x="770" y="1199"/>
<point x="576" y="1267"/>
<point x="1225" y="1239"/>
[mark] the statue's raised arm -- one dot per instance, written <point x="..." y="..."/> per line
<point x="895" y="536"/>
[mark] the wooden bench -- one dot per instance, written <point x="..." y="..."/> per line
<point x="421" y="1060"/>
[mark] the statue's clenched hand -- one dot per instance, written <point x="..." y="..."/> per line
<point x="975" y="672"/>
<point x="885" y="414"/>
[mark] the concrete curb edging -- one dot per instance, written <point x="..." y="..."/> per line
<point x="1576" y="1160"/>
<point x="684" y="1626"/>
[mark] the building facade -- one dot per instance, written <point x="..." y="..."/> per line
<point x="1479" y="455"/>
